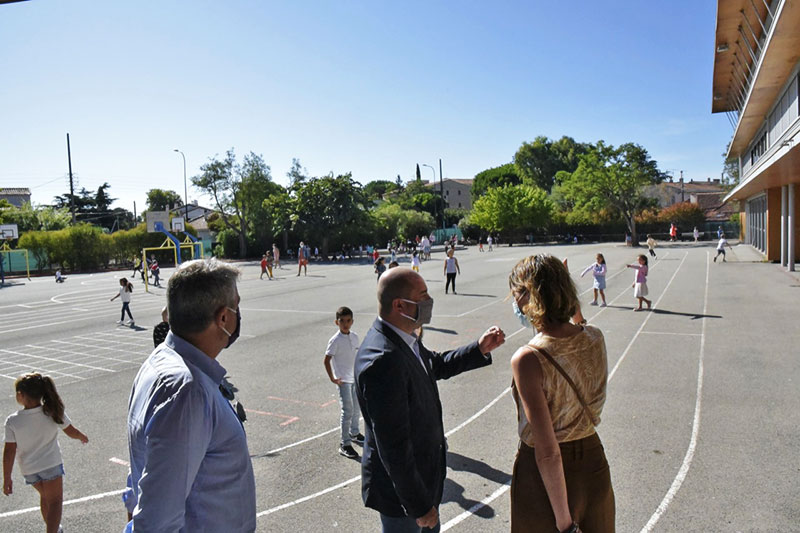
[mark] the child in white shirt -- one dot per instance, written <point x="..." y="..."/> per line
<point x="31" y="436"/>
<point x="342" y="348"/>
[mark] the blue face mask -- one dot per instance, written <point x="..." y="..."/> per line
<point x="520" y="315"/>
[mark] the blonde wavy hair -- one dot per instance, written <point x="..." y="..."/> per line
<point x="552" y="294"/>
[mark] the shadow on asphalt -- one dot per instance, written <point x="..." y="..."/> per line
<point x="477" y="295"/>
<point x="441" y="330"/>
<point x="453" y="492"/>
<point x="694" y="316"/>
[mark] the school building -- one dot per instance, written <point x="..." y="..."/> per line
<point x="756" y="65"/>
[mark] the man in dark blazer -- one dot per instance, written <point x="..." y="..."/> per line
<point x="403" y="467"/>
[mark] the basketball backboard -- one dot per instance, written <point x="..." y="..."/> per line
<point x="156" y="216"/>
<point x="8" y="231"/>
<point x="177" y="224"/>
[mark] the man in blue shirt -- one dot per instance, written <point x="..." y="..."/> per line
<point x="190" y="465"/>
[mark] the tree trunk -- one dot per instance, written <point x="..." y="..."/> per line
<point x="325" y="246"/>
<point x="242" y="241"/>
<point x="632" y="227"/>
<point x="285" y="241"/>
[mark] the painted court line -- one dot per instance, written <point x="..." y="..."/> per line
<point x="67" y="502"/>
<point x="644" y="322"/>
<point x="687" y="459"/>
<point x="287" y="419"/>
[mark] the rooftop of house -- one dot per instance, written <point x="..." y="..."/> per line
<point x="14" y="190"/>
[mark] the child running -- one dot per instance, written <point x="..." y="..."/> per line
<point x="651" y="246"/>
<point x="33" y="432"/>
<point x="342" y="348"/>
<point x="125" y="290"/>
<point x="415" y="261"/>
<point x="721" y="248"/>
<point x="598" y="269"/>
<point x="640" y="284"/>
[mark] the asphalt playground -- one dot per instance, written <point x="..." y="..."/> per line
<point x="700" y="426"/>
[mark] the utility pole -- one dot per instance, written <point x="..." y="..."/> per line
<point x="682" y="197"/>
<point x="134" y="214"/>
<point x="441" y="189"/>
<point x="71" y="184"/>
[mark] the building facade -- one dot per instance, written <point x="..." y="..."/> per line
<point x="756" y="68"/>
<point x="457" y="193"/>
<point x="17" y="196"/>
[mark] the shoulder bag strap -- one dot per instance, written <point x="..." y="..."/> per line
<point x="569" y="380"/>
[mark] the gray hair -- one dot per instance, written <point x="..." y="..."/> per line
<point x="196" y="291"/>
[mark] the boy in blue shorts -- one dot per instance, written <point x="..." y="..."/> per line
<point x="342" y="349"/>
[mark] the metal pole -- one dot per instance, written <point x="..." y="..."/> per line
<point x="758" y="18"/>
<point x="771" y="14"/>
<point x="441" y="189"/>
<point x="749" y="27"/>
<point x="790" y="221"/>
<point x="749" y="48"/>
<point x="783" y="225"/>
<point x="185" y="192"/>
<point x="71" y="185"/>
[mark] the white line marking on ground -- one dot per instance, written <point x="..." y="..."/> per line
<point x="644" y="322"/>
<point x="477" y="507"/>
<point x="117" y="460"/>
<point x="68" y="502"/>
<point x="687" y="459"/>
<point x="673" y="334"/>
<point x="309" y="497"/>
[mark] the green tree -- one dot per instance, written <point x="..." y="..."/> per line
<point x="322" y="208"/>
<point x="730" y="170"/>
<point x="539" y="161"/>
<point x="610" y="179"/>
<point x="393" y="221"/>
<point x="375" y="190"/>
<point x="29" y="218"/>
<point x="238" y="191"/>
<point x="494" y="177"/>
<point x="163" y="200"/>
<point x="511" y="209"/>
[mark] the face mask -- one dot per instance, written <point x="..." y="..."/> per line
<point x="235" y="335"/>
<point x="520" y="315"/>
<point x="424" y="311"/>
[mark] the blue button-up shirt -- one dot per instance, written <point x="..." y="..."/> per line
<point x="190" y="466"/>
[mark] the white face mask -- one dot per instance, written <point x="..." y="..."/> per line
<point x="424" y="312"/>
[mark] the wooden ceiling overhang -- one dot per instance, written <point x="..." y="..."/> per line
<point x="751" y="66"/>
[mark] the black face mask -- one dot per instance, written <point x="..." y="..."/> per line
<point x="235" y="335"/>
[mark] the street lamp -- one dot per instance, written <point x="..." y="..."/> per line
<point x="434" y="187"/>
<point x="185" y="190"/>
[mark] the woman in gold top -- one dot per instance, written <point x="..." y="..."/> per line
<point x="561" y="479"/>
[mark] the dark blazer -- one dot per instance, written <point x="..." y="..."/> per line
<point x="403" y="467"/>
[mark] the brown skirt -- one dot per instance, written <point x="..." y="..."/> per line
<point x="589" y="491"/>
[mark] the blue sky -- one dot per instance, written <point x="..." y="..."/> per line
<point x="367" y="87"/>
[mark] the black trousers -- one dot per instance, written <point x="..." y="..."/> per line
<point x="451" y="278"/>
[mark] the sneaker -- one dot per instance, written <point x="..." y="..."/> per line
<point x="603" y="304"/>
<point x="131" y="323"/>
<point x="593" y="303"/>
<point x="358" y="439"/>
<point x="120" y="322"/>
<point x="348" y="452"/>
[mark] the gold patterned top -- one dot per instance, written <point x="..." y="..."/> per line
<point x="583" y="358"/>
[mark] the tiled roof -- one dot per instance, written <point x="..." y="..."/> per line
<point x="15" y="190"/>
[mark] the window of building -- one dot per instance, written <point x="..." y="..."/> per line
<point x="759" y="147"/>
<point x="459" y="193"/>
